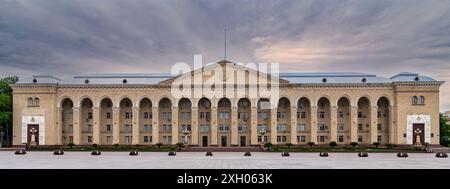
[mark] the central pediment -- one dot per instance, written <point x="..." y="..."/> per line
<point x="227" y="73"/>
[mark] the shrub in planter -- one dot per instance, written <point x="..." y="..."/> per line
<point x="247" y="154"/>
<point x="116" y="145"/>
<point x="209" y="153"/>
<point x="268" y="145"/>
<point x="402" y="154"/>
<point x="441" y="155"/>
<point x="71" y="145"/>
<point x="95" y="145"/>
<point x="333" y="144"/>
<point x="323" y="154"/>
<point x="376" y="144"/>
<point x="284" y="154"/>
<point x="134" y="153"/>
<point x="159" y="144"/>
<point x="20" y="152"/>
<point x="363" y="154"/>
<point x="180" y="145"/>
<point x="289" y="145"/>
<point x="354" y="144"/>
<point x="311" y="144"/>
<point x="58" y="152"/>
<point x="96" y="153"/>
<point x="172" y="153"/>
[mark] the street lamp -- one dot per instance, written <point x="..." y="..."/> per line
<point x="185" y="132"/>
<point x="262" y="132"/>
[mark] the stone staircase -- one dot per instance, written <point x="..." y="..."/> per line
<point x="223" y="149"/>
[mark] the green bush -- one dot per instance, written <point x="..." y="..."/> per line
<point x="376" y="144"/>
<point x="71" y="145"/>
<point x="311" y="144"/>
<point x="268" y="145"/>
<point x="159" y="144"/>
<point x="354" y="144"/>
<point x="333" y="144"/>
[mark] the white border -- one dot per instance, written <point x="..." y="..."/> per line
<point x="38" y="120"/>
<point x="411" y="119"/>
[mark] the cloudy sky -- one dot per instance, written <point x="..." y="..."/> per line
<point x="69" y="37"/>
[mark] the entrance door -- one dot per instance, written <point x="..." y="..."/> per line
<point x="224" y="141"/>
<point x="205" y="141"/>
<point x="418" y="133"/>
<point x="243" y="141"/>
<point x="33" y="134"/>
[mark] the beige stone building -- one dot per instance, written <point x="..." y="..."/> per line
<point x="131" y="109"/>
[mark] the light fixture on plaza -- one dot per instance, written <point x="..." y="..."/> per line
<point x="262" y="132"/>
<point x="185" y="132"/>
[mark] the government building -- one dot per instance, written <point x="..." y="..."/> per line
<point x="142" y="109"/>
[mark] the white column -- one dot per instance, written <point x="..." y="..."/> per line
<point x="96" y="127"/>
<point x="175" y="125"/>
<point x="155" y="125"/>
<point x="333" y="125"/>
<point x="373" y="124"/>
<point x="234" y="127"/>
<point x="273" y="126"/>
<point x="76" y="126"/>
<point x="136" y="126"/>
<point x="313" y="125"/>
<point x="59" y="127"/>
<point x="194" y="119"/>
<point x="214" y="126"/>
<point x="116" y="125"/>
<point x="254" y="124"/>
<point x="354" y="124"/>
<point x="294" y="125"/>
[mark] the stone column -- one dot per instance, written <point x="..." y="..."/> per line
<point x="373" y="124"/>
<point x="392" y="129"/>
<point x="76" y="126"/>
<point x="136" y="126"/>
<point x="273" y="126"/>
<point x="96" y="139"/>
<point x="294" y="125"/>
<point x="234" y="126"/>
<point x="333" y="125"/>
<point x="213" y="126"/>
<point x="59" y="127"/>
<point x="175" y="125"/>
<point x="253" y="126"/>
<point x="194" y="126"/>
<point x="116" y="125"/>
<point x="155" y="125"/>
<point x="354" y="124"/>
<point x="313" y="125"/>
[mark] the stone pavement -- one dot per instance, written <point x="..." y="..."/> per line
<point x="220" y="160"/>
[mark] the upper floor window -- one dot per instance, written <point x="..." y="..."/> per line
<point x="418" y="100"/>
<point x="33" y="102"/>
<point x="421" y="100"/>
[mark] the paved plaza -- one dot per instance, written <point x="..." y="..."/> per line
<point x="220" y="160"/>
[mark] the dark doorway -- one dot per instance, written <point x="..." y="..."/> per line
<point x="205" y="141"/>
<point x="224" y="141"/>
<point x="243" y="141"/>
<point x="419" y="133"/>
<point x="33" y="134"/>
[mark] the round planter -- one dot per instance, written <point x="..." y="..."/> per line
<point x="172" y="153"/>
<point x="285" y="154"/>
<point x="441" y="155"/>
<point x="58" y="152"/>
<point x="20" y="152"/>
<point x="323" y="154"/>
<point x="209" y="154"/>
<point x="96" y="153"/>
<point x="363" y="154"/>
<point x="402" y="154"/>
<point x="134" y="153"/>
<point x="247" y="154"/>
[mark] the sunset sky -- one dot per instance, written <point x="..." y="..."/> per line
<point x="69" y="37"/>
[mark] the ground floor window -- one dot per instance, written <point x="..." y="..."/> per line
<point x="379" y="127"/>
<point x="378" y="138"/>
<point x="147" y="128"/>
<point x="301" y="127"/>
<point x="70" y="139"/>
<point x="281" y="138"/>
<point x="321" y="138"/>
<point x="301" y="139"/>
<point x="242" y="128"/>
<point x="260" y="139"/>
<point x="340" y="138"/>
<point x="147" y="139"/>
<point x="89" y="139"/>
<point x="167" y="139"/>
<point x="108" y="139"/>
<point x="128" y="139"/>
<point x="360" y="139"/>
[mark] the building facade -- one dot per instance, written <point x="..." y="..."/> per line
<point x="141" y="109"/>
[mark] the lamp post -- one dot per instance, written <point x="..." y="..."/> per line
<point x="185" y="132"/>
<point x="262" y="132"/>
<point x="418" y="142"/>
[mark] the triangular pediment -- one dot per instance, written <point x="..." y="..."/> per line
<point x="226" y="72"/>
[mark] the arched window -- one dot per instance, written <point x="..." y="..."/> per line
<point x="36" y="102"/>
<point x="414" y="100"/>
<point x="422" y="100"/>
<point x="30" y="102"/>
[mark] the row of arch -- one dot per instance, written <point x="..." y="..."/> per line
<point x="204" y="105"/>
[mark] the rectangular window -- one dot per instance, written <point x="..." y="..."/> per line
<point x="301" y="139"/>
<point x="243" y="115"/>
<point x="70" y="139"/>
<point x="167" y="139"/>
<point x="281" y="128"/>
<point x="321" y="114"/>
<point x="360" y="139"/>
<point x="321" y="127"/>
<point x="108" y="115"/>
<point x="89" y="115"/>
<point x="262" y="128"/>
<point x="243" y="128"/>
<point x="89" y="128"/>
<point x="278" y="138"/>
<point x="128" y="139"/>
<point x="360" y="114"/>
<point x="301" y="115"/>
<point x="89" y="139"/>
<point x="166" y="128"/>
<point x="128" y="128"/>
<point x="147" y="139"/>
<point x="205" y="128"/>
<point x="378" y="138"/>
<point x="108" y="128"/>
<point x="185" y="128"/>
<point x="224" y="128"/>
<point x="321" y="138"/>
<point x="186" y="115"/>
<point x="340" y="127"/>
<point x="224" y="115"/>
<point x="148" y="128"/>
<point x="301" y="127"/>
<point x="340" y="114"/>
<point x="262" y="115"/>
<point x="127" y="115"/>
<point x="147" y="115"/>
<point x="70" y="129"/>
<point x="340" y="138"/>
<point x="379" y="114"/>
<point x="281" y="115"/>
<point x="108" y="139"/>
<point x="259" y="138"/>
<point x="379" y="127"/>
<point x="360" y="127"/>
